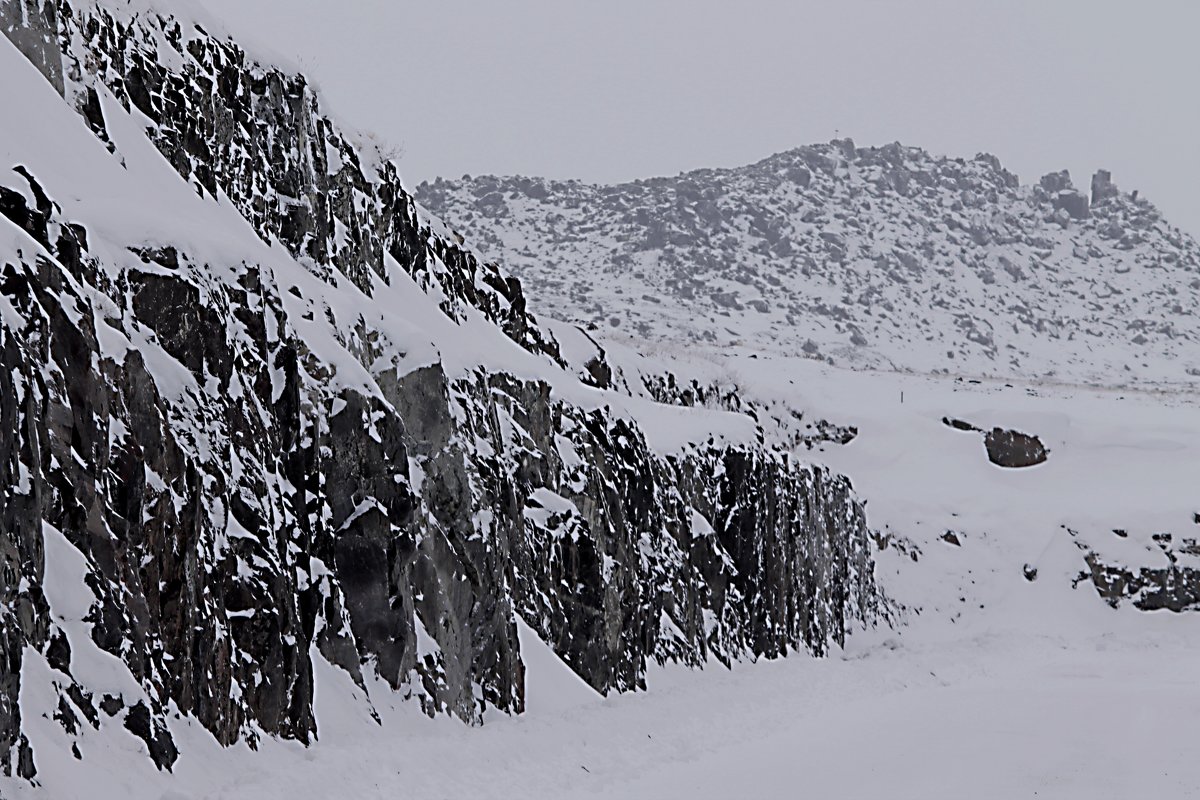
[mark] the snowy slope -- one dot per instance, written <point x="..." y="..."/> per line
<point x="866" y="257"/>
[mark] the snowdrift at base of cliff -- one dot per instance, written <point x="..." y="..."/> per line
<point x="1009" y="674"/>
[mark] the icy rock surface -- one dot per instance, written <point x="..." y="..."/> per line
<point x="882" y="257"/>
<point x="257" y="408"/>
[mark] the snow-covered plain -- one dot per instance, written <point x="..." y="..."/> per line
<point x="1104" y="714"/>
<point x="989" y="686"/>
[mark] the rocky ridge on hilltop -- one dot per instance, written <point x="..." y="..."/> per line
<point x="883" y="257"/>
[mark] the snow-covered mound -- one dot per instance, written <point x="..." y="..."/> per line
<point x="884" y="257"/>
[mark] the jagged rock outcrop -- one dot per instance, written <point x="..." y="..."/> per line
<point x="781" y="423"/>
<point x="1174" y="586"/>
<point x="241" y="460"/>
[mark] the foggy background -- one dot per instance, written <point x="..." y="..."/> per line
<point x="616" y="90"/>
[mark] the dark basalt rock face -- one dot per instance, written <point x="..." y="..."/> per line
<point x="230" y="521"/>
<point x="257" y="135"/>
<point x="32" y="25"/>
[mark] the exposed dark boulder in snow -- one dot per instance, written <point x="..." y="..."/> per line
<point x="1074" y="203"/>
<point x="1005" y="448"/>
<point x="1013" y="449"/>
<point x="1055" y="182"/>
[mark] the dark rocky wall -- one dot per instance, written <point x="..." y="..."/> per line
<point x="32" y="25"/>
<point x="231" y="525"/>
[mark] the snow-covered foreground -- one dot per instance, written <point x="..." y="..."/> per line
<point x="992" y="685"/>
<point x="1106" y="711"/>
<point x="1109" y="711"/>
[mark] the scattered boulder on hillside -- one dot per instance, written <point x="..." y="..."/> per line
<point x="1055" y="182"/>
<point x="1013" y="449"/>
<point x="1005" y="448"/>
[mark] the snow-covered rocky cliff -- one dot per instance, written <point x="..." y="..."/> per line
<point x="259" y="409"/>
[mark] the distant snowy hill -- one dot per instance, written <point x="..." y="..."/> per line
<point x="883" y="257"/>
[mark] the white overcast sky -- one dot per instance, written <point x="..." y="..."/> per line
<point x="620" y="89"/>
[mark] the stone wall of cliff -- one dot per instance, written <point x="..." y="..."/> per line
<point x="253" y="512"/>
